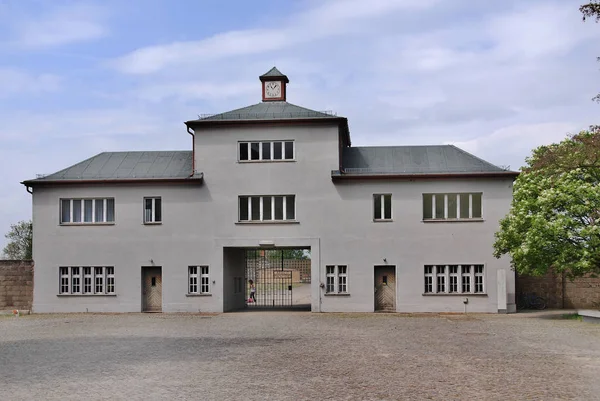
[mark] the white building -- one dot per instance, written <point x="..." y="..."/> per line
<point x="405" y="228"/>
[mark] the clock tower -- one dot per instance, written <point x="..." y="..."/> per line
<point x="273" y="85"/>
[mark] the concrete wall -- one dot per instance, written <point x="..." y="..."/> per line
<point x="334" y="219"/>
<point x="16" y="284"/>
<point x="561" y="292"/>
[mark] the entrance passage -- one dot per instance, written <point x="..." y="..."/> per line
<point x="152" y="289"/>
<point x="385" y="288"/>
<point x="278" y="278"/>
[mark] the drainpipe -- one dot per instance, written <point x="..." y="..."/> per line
<point x="193" y="150"/>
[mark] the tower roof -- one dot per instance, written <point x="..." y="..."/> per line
<point x="274" y="73"/>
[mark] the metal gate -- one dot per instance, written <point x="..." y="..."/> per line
<point x="272" y="282"/>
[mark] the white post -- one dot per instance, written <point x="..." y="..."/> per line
<point x="502" y="291"/>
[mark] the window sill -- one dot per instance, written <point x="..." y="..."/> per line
<point x="383" y="220"/>
<point x="268" y="222"/>
<point x="455" y="294"/>
<point x="337" y="294"/>
<point x="198" y="295"/>
<point x="86" y="224"/>
<point x="266" y="161"/>
<point x="151" y="223"/>
<point x="453" y="221"/>
<point x="86" y="295"/>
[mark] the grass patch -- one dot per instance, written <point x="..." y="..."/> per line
<point x="571" y="316"/>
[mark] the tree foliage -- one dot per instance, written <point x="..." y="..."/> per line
<point x="591" y="10"/>
<point x="554" y="220"/>
<point x="19" y="241"/>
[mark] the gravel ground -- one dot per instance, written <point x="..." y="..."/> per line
<point x="297" y="356"/>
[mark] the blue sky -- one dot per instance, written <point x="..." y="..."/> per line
<point x="496" y="78"/>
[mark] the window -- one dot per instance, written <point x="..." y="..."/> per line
<point x="452" y="206"/>
<point x="454" y="279"/>
<point x="266" y="151"/>
<point x="110" y="280"/>
<point x="336" y="279"/>
<point x="198" y="279"/>
<point x="94" y="279"/>
<point x="382" y="207"/>
<point x="267" y="208"/>
<point x="428" y="279"/>
<point x="75" y="280"/>
<point x="87" y="211"/>
<point x="99" y="286"/>
<point x="152" y="210"/>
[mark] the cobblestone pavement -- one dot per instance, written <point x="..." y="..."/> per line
<point x="297" y="356"/>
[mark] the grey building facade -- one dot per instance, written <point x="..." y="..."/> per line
<point x="407" y="228"/>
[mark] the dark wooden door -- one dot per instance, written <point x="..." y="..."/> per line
<point x="385" y="288"/>
<point x="151" y="289"/>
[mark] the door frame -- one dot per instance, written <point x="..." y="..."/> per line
<point x="143" y="298"/>
<point x="395" y="267"/>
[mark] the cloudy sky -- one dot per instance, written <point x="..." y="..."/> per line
<point x="495" y="77"/>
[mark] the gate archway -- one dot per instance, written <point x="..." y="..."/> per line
<point x="281" y="278"/>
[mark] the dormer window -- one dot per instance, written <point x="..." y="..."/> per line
<point x="266" y="151"/>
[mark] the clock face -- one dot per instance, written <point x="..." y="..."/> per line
<point x="272" y="89"/>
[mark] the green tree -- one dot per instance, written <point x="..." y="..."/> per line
<point x="592" y="10"/>
<point x="19" y="241"/>
<point x="554" y="220"/>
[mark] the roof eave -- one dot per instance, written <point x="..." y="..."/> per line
<point x="337" y="175"/>
<point x="338" y="120"/>
<point x="196" y="179"/>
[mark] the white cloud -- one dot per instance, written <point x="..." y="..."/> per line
<point x="14" y="82"/>
<point x="510" y="145"/>
<point x="77" y="23"/>
<point x="331" y="18"/>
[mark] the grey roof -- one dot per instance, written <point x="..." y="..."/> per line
<point x="273" y="72"/>
<point x="266" y="111"/>
<point x="411" y="160"/>
<point x="126" y="166"/>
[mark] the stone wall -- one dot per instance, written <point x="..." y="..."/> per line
<point x="300" y="265"/>
<point x="561" y="292"/>
<point x="16" y="284"/>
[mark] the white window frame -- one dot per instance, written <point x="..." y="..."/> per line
<point x="152" y="210"/>
<point x="81" y="202"/>
<point x="479" y="275"/>
<point x="445" y="213"/>
<point x="469" y="272"/>
<point x="382" y="198"/>
<point x="76" y="279"/>
<point x="271" y="151"/>
<point x="454" y="276"/>
<point x="193" y="279"/>
<point x="89" y="276"/>
<point x="64" y="282"/>
<point x="429" y="287"/>
<point x="109" y="282"/>
<point x="262" y="200"/>
<point x="99" y="277"/>
<point x="199" y="273"/>
<point x="69" y="274"/>
<point x="335" y="278"/>
<point x="440" y="273"/>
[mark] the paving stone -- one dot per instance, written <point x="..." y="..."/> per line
<point x="297" y="356"/>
